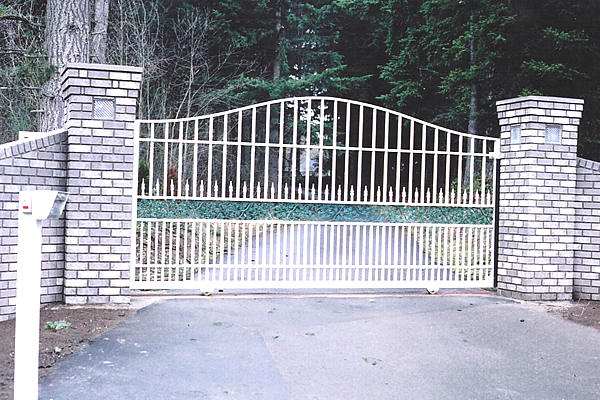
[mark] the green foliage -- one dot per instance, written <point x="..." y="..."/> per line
<point x="57" y="325"/>
<point x="555" y="52"/>
<point x="442" y="55"/>
<point x="253" y="211"/>
<point x="450" y="60"/>
<point x="202" y="57"/>
<point x="446" y="61"/>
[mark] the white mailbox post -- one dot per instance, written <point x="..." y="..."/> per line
<point x="34" y="207"/>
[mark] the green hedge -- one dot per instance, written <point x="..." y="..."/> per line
<point x="246" y="210"/>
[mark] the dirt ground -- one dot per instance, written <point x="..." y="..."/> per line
<point x="88" y="323"/>
<point x="581" y="312"/>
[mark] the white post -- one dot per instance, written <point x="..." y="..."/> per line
<point x="34" y="207"/>
<point x="27" y="333"/>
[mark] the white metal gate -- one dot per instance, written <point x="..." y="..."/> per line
<point x="312" y="192"/>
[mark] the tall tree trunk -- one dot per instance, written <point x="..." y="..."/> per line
<point x="278" y="37"/>
<point x="66" y="41"/>
<point x="99" y="31"/>
<point x="474" y="106"/>
<point x="473" y="119"/>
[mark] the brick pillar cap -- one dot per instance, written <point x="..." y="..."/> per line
<point x="103" y="67"/>
<point x="540" y="98"/>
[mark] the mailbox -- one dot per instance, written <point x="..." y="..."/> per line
<point x="42" y="204"/>
<point x="34" y="207"/>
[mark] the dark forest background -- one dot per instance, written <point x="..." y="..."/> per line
<point x="445" y="61"/>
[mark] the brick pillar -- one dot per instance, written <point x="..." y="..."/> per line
<point x="101" y="103"/>
<point x="537" y="196"/>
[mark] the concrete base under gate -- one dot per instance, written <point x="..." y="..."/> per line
<point x="361" y="347"/>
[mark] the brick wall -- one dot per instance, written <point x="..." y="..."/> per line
<point x="31" y="164"/>
<point x="538" y="170"/>
<point x="586" y="269"/>
<point x="100" y="180"/>
<point x="549" y="216"/>
<point x="86" y="254"/>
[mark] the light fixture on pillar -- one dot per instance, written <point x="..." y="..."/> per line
<point x="515" y="134"/>
<point x="553" y="134"/>
<point x="104" y="108"/>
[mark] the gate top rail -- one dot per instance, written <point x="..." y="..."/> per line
<point x="314" y="150"/>
<point x="314" y="99"/>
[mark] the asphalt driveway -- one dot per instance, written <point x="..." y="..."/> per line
<point x="335" y="347"/>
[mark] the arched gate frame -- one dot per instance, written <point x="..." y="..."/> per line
<point x="313" y="192"/>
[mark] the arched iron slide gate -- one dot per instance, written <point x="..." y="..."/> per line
<point x="312" y="192"/>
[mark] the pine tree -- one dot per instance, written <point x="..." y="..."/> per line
<point x="445" y="55"/>
<point x="556" y="53"/>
